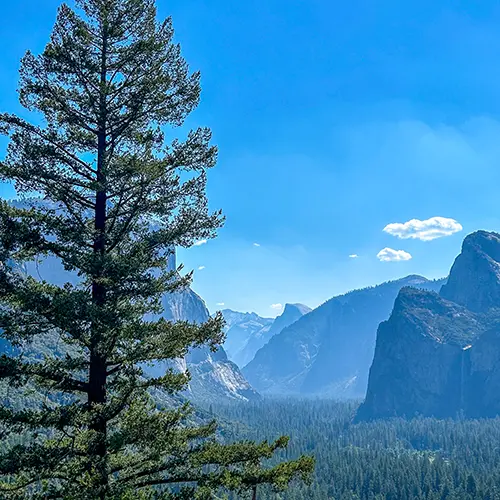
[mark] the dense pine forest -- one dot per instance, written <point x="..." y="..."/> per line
<point x="396" y="459"/>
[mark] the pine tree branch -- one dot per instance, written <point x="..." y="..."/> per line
<point x="126" y="224"/>
<point x="171" y="480"/>
<point x="35" y="481"/>
<point x="12" y="120"/>
<point x="50" y="308"/>
<point x="51" y="371"/>
<point x="72" y="113"/>
<point x="160" y="340"/>
<point x="132" y="77"/>
<point x="58" y="417"/>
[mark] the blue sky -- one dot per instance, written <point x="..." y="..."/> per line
<point x="333" y="120"/>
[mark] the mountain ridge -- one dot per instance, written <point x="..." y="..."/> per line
<point x="246" y="333"/>
<point x="317" y="353"/>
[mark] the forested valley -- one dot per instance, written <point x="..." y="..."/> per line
<point x="395" y="459"/>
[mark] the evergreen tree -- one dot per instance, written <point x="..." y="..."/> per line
<point x="113" y="197"/>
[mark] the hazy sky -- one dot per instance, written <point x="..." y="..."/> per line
<point x="334" y="120"/>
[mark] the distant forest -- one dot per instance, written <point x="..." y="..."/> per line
<point x="423" y="458"/>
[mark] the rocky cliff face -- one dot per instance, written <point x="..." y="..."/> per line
<point x="213" y="376"/>
<point x="291" y="314"/>
<point x="474" y="280"/>
<point x="328" y="352"/>
<point x="439" y="354"/>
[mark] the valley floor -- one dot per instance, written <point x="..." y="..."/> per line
<point x="391" y="459"/>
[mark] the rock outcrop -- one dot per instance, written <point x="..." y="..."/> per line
<point x="213" y="375"/>
<point x="439" y="354"/>
<point x="474" y="280"/>
<point x="328" y="352"/>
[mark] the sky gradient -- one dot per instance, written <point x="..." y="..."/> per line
<point x="333" y="121"/>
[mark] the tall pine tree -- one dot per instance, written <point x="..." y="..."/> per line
<point x="114" y="193"/>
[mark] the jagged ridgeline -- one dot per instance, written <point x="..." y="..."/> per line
<point x="439" y="353"/>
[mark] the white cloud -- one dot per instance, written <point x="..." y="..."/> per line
<point x="276" y="306"/>
<point x="390" y="255"/>
<point x="353" y="256"/>
<point x="220" y="304"/>
<point x="199" y="243"/>
<point x="256" y="244"/>
<point x="201" y="268"/>
<point x="424" y="230"/>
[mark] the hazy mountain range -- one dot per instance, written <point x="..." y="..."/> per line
<point x="328" y="352"/>
<point x="325" y="352"/>
<point x="246" y="333"/>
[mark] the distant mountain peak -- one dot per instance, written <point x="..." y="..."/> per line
<point x="415" y="277"/>
<point x="296" y="308"/>
<point x="291" y="313"/>
<point x="248" y="314"/>
<point x="246" y="333"/>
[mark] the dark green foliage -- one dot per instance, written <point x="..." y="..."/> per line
<point x="113" y="197"/>
<point x="395" y="459"/>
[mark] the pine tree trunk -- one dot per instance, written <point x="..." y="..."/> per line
<point x="98" y="362"/>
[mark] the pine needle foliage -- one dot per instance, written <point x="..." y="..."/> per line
<point x="116" y="192"/>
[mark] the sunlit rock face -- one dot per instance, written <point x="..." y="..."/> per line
<point x="212" y="374"/>
<point x="439" y="354"/>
